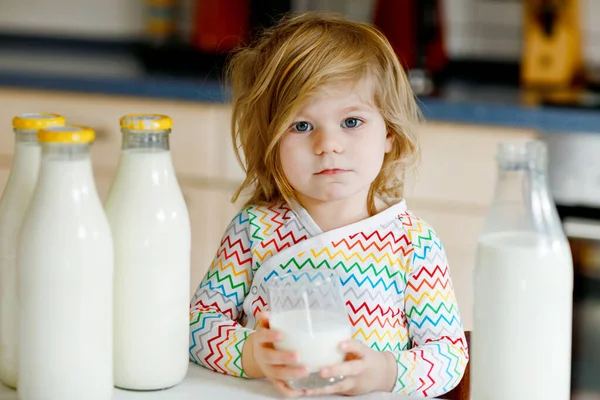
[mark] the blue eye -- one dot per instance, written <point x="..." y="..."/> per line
<point x="302" y="126"/>
<point x="351" y="123"/>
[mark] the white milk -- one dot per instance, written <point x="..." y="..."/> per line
<point x="317" y="347"/>
<point x="521" y="347"/>
<point x="14" y="202"/>
<point x="65" y="258"/>
<point x="151" y="231"/>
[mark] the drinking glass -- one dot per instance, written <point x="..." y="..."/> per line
<point x="308" y="308"/>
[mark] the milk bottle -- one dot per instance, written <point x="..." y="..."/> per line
<point x="13" y="204"/>
<point x="151" y="231"/>
<point x="523" y="287"/>
<point x="65" y="261"/>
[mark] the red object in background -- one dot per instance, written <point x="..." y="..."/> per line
<point x="437" y="57"/>
<point x="220" y="26"/>
<point x="403" y="24"/>
<point x="396" y="19"/>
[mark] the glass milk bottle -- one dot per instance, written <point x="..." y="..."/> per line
<point x="151" y="231"/>
<point x="523" y="286"/>
<point x="65" y="261"/>
<point x="13" y="204"/>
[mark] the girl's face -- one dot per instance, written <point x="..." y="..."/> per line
<point x="335" y="147"/>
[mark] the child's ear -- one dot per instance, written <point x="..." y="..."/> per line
<point x="389" y="141"/>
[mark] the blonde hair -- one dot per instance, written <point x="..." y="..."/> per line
<point x="274" y="77"/>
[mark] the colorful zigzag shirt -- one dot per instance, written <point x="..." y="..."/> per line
<point x="395" y="282"/>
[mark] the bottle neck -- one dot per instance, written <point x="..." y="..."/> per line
<point x="27" y="150"/>
<point x="522" y="199"/>
<point x="25" y="167"/>
<point x="25" y="136"/>
<point x="514" y="185"/>
<point x="153" y="140"/>
<point x="66" y="173"/>
<point x="145" y="160"/>
<point x="66" y="151"/>
<point x="521" y="172"/>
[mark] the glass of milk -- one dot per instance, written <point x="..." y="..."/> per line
<point x="523" y="286"/>
<point x="307" y="307"/>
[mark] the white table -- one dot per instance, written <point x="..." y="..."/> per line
<point x="201" y="383"/>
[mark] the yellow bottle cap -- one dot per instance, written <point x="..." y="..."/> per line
<point x="66" y="134"/>
<point x="37" y="121"/>
<point x="146" y="122"/>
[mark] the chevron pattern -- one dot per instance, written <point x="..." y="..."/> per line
<point x="395" y="282"/>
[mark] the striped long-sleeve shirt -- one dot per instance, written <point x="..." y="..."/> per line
<point x="395" y="282"/>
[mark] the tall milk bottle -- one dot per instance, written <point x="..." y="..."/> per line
<point x="65" y="260"/>
<point x="13" y="204"/>
<point x="523" y="287"/>
<point x="151" y="230"/>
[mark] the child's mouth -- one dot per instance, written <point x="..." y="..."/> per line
<point x="332" y="171"/>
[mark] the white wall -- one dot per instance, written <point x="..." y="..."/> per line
<point x="110" y="19"/>
<point x="493" y="28"/>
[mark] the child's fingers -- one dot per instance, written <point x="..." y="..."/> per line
<point x="285" y="390"/>
<point x="265" y="336"/>
<point x="348" y="368"/>
<point x="355" y="347"/>
<point x="263" y="319"/>
<point x="278" y="357"/>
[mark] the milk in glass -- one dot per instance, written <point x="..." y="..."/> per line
<point x="318" y="343"/>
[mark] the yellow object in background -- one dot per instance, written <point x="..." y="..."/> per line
<point x="161" y="21"/>
<point x="552" y="43"/>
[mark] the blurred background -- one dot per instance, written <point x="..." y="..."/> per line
<point x="485" y="71"/>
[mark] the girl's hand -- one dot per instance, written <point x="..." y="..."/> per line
<point x="260" y="359"/>
<point x="365" y="370"/>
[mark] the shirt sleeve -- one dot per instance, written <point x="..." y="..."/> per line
<point x="438" y="356"/>
<point x="216" y="332"/>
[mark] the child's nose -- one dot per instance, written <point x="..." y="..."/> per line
<point x="327" y="141"/>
